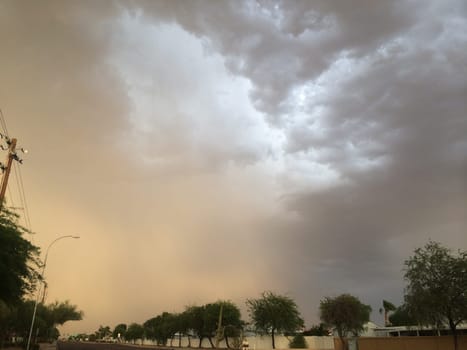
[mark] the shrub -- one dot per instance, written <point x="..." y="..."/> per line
<point x="298" y="342"/>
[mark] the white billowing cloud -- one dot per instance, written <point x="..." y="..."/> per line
<point x="186" y="107"/>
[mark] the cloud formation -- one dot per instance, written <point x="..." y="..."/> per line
<point x="209" y="150"/>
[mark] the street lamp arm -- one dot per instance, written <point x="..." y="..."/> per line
<point x="50" y="245"/>
<point x="42" y="279"/>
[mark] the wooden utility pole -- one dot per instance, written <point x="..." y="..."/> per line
<point x="7" y="169"/>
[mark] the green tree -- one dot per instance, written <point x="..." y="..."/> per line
<point x="6" y="314"/>
<point x="18" y="260"/>
<point x="298" y="342"/>
<point x="317" y="331"/>
<point x="436" y="287"/>
<point x="61" y="312"/>
<point x="230" y="320"/>
<point x="182" y="326"/>
<point x="54" y="315"/>
<point x="273" y="313"/>
<point x="48" y="317"/>
<point x="103" y="332"/>
<point x="119" y="329"/>
<point x="387" y="307"/>
<point x="402" y="317"/>
<point x="195" y="320"/>
<point x="161" y="328"/>
<point x="346" y="314"/>
<point x="135" y="331"/>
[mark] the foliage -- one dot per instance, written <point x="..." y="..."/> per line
<point x="298" y="342"/>
<point x="48" y="317"/>
<point x="345" y="313"/>
<point x="119" y="329"/>
<point x="317" y="331"/>
<point x="6" y="313"/>
<point x="18" y="260"/>
<point x="436" y="286"/>
<point x="273" y="313"/>
<point x="161" y="328"/>
<point x="103" y="332"/>
<point x="387" y="307"/>
<point x="231" y="319"/>
<point x="402" y="317"/>
<point x="60" y="312"/>
<point x="195" y="319"/>
<point x="134" y="331"/>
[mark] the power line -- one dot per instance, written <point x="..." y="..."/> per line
<point x="11" y="196"/>
<point x="22" y="193"/>
<point x="3" y="123"/>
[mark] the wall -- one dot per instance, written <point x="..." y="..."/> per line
<point x="257" y="343"/>
<point x="411" y="343"/>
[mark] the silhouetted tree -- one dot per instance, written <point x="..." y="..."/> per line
<point x="346" y="314"/>
<point x="273" y="313"/>
<point x="18" y="260"/>
<point x="436" y="287"/>
<point x="387" y="307"/>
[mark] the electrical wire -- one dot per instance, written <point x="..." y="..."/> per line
<point x="26" y="208"/>
<point x="10" y="196"/>
<point x="22" y="194"/>
<point x="3" y="123"/>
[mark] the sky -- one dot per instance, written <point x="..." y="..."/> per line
<point x="207" y="150"/>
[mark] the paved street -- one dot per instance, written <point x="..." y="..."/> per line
<point x="94" y="346"/>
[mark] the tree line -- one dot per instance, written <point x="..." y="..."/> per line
<point x="215" y="322"/>
<point x="435" y="295"/>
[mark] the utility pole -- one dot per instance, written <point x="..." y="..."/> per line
<point x="7" y="168"/>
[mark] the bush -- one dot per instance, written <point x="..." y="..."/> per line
<point x="298" y="342"/>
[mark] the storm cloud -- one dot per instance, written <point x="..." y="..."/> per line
<point x="208" y="149"/>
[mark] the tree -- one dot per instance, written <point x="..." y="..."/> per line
<point x="134" y="331"/>
<point x="298" y="342"/>
<point x="103" y="332"/>
<point x="183" y="326"/>
<point x="273" y="313"/>
<point x="61" y="312"/>
<point x="402" y="317"/>
<point x="195" y="319"/>
<point x="119" y="331"/>
<point x="230" y="320"/>
<point x="48" y="317"/>
<point x="6" y="313"/>
<point x="161" y="328"/>
<point x="18" y="260"/>
<point x="437" y="286"/>
<point x="346" y="314"/>
<point x="387" y="307"/>
<point x="317" y="331"/>
<point x="57" y="314"/>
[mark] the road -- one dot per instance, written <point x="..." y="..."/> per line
<point x="74" y="345"/>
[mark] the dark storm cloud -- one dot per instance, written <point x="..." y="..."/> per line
<point x="265" y="41"/>
<point x="392" y="123"/>
<point x="354" y="156"/>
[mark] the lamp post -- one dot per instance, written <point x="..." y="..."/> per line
<point x="42" y="277"/>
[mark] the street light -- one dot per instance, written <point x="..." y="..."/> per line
<point x="42" y="277"/>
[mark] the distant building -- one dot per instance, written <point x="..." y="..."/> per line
<point x="373" y="330"/>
